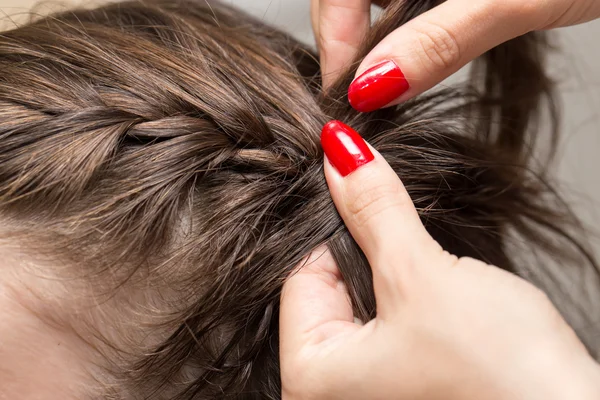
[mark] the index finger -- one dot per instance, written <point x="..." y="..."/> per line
<point x="434" y="45"/>
<point x="378" y="212"/>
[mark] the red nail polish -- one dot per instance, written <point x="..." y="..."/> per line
<point x="344" y="147"/>
<point x="377" y="87"/>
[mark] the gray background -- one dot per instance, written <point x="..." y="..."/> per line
<point x="577" y="67"/>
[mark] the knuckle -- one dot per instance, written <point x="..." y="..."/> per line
<point x="366" y="202"/>
<point x="527" y="9"/>
<point x="447" y="258"/>
<point x="437" y="46"/>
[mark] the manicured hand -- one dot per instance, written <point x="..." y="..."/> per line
<point x="447" y="328"/>
<point x="431" y="47"/>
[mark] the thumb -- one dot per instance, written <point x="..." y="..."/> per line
<point x="377" y="210"/>
<point x="431" y="47"/>
<point x="315" y="306"/>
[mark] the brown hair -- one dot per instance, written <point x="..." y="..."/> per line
<point x="167" y="152"/>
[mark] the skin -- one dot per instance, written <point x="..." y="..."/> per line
<point x="54" y="330"/>
<point x="446" y="328"/>
<point x="438" y="43"/>
<point x="37" y="360"/>
<point x="434" y="326"/>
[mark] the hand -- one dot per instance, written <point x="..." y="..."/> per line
<point x="429" y="48"/>
<point x="446" y="328"/>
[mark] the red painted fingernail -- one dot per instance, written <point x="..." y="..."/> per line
<point x="344" y="147"/>
<point x="377" y="87"/>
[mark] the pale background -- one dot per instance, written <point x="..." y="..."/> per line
<point x="577" y="68"/>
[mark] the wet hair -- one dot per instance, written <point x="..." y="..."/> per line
<point x="166" y="153"/>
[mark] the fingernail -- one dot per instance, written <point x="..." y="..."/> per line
<point x="377" y="87"/>
<point x="344" y="147"/>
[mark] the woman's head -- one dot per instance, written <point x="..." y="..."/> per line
<point x="161" y="176"/>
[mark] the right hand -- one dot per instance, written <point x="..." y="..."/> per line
<point x="430" y="47"/>
<point x="446" y="328"/>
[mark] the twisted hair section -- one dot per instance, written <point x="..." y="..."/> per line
<point x="168" y="151"/>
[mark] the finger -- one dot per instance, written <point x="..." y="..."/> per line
<point x="314" y="18"/>
<point x="429" y="48"/>
<point x="375" y="207"/>
<point x="342" y="25"/>
<point x="315" y="305"/>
